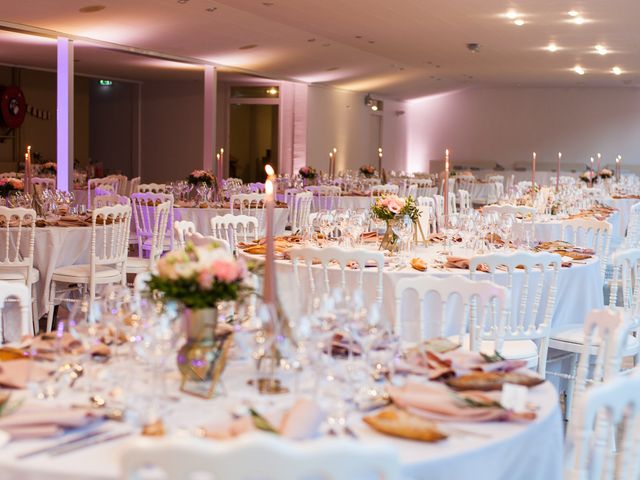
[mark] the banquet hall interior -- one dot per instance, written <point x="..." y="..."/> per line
<point x="337" y="239"/>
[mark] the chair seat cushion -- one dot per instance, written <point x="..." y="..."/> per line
<point x="511" y="349"/>
<point x="80" y="273"/>
<point x="137" y="265"/>
<point x="575" y="335"/>
<point x="13" y="276"/>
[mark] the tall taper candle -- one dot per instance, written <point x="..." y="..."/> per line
<point x="330" y="163"/>
<point x="27" y="170"/>
<point x="533" y="171"/>
<point x="558" y="172"/>
<point x="335" y="161"/>
<point x="379" y="159"/>
<point x="599" y="158"/>
<point x="221" y="164"/>
<point x="445" y="188"/>
<point x="618" y="158"/>
<point x="592" y="174"/>
<point x="269" y="284"/>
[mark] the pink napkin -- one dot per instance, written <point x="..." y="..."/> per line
<point x="17" y="373"/>
<point x="436" y="401"/>
<point x="39" y="421"/>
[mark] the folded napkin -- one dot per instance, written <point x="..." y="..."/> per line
<point x="42" y="421"/>
<point x="17" y="373"/>
<point x="436" y="401"/>
<point x="369" y="237"/>
<point x="463" y="263"/>
<point x="300" y="422"/>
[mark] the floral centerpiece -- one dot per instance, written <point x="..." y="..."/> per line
<point x="308" y="173"/>
<point x="201" y="277"/>
<point x="390" y="207"/>
<point x="367" y="171"/>
<point x="605" y="173"/>
<point x="49" y="168"/>
<point x="201" y="176"/>
<point x="10" y="185"/>
<point x="588" y="176"/>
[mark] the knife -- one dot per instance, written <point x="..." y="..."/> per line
<point x="88" y="442"/>
<point x="50" y="448"/>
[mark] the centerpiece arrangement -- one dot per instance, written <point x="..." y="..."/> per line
<point x="201" y="278"/>
<point x="588" y="176"/>
<point x="49" y="168"/>
<point x="367" y="171"/>
<point x="605" y="174"/>
<point x="202" y="176"/>
<point x="10" y="185"/>
<point x="388" y="208"/>
<point x="308" y="174"/>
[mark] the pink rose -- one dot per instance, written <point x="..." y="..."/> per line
<point x="225" y="271"/>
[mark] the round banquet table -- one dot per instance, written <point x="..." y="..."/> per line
<point x="548" y="230"/>
<point x="355" y="202"/>
<point x="483" y="192"/>
<point x="578" y="289"/>
<point x="482" y="451"/>
<point x="202" y="218"/>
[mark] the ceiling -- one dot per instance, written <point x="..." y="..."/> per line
<point x="400" y="49"/>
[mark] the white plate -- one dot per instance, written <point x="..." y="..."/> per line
<point x="4" y="438"/>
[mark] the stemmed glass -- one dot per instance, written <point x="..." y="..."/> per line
<point x="403" y="228"/>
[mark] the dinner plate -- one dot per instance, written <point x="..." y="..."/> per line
<point x="4" y="438"/>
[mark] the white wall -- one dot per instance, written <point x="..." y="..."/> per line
<point x="488" y="125"/>
<point x="339" y="118"/>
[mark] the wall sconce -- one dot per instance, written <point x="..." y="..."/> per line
<point x="373" y="104"/>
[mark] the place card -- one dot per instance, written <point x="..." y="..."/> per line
<point x="514" y="397"/>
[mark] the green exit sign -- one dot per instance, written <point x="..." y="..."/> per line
<point x="105" y="83"/>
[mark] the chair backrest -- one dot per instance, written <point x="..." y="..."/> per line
<point x="495" y="178"/>
<point x="522" y="210"/>
<point x="109" y="239"/>
<point x="257" y="187"/>
<point x="144" y="206"/>
<point x="625" y="280"/>
<point x="123" y="184"/>
<point x="46" y="182"/>
<point x="344" y="259"/>
<point x="94" y="183"/>
<point x="198" y="239"/>
<point x="162" y="213"/>
<point x="325" y="197"/>
<point x="465" y="200"/>
<point x="532" y="280"/>
<point x="481" y="308"/>
<point x="605" y="335"/>
<point x="235" y="228"/>
<point x="21" y="293"/>
<point x="9" y="175"/>
<point x="250" y="204"/>
<point x="17" y="241"/>
<point x="604" y="414"/>
<point x="452" y="203"/>
<point x="299" y="210"/>
<point x="424" y="187"/>
<point x="132" y="186"/>
<point x="590" y="232"/>
<point x="152" y="188"/>
<point x="388" y="189"/>
<point x="496" y="192"/>
<point x="181" y="228"/>
<point x="632" y="238"/>
<point x="109" y="200"/>
<point x="267" y="456"/>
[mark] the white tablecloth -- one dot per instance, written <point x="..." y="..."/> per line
<point x="355" y="202"/>
<point x="624" y="208"/>
<point x="579" y="288"/>
<point x="499" y="451"/>
<point x="202" y="218"/>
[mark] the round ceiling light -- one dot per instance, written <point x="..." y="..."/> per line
<point x="247" y="47"/>
<point x="519" y="22"/>
<point x="91" y="8"/>
<point x="579" y="70"/>
<point x="616" y="70"/>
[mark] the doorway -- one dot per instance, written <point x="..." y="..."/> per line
<point x="253" y="132"/>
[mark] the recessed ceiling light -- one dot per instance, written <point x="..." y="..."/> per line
<point x="511" y="14"/>
<point x="601" y="50"/>
<point x="552" y="47"/>
<point x="268" y="4"/>
<point x="616" y="70"/>
<point x="573" y="13"/>
<point x="578" y="20"/>
<point x="579" y="70"/>
<point x="91" y="8"/>
<point x="182" y="2"/>
<point x="247" y="47"/>
<point x="519" y="22"/>
<point x="332" y="69"/>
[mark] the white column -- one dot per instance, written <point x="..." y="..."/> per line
<point x="64" y="115"/>
<point x="209" y="137"/>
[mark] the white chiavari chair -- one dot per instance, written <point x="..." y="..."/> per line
<point x="342" y="259"/>
<point x="123" y="184"/>
<point x="521" y="210"/>
<point x="250" y="204"/>
<point x="132" y="186"/>
<point x="9" y="175"/>
<point x="107" y="258"/>
<point x="533" y="296"/>
<point x="325" y="197"/>
<point x="299" y="210"/>
<point x="234" y="228"/>
<point x="11" y="292"/>
<point x="495" y="178"/>
<point x="100" y="201"/>
<point x="624" y="286"/>
<point x="424" y="187"/>
<point x="438" y="211"/>
<point x="475" y="310"/>
<point x="260" y="455"/>
<point x="603" y="413"/>
<point x="257" y="187"/>
<point x="380" y="190"/>
<point x="496" y="192"/>
<point x="46" y="182"/>
<point x="203" y="240"/>
<point x="107" y="183"/>
<point x="411" y="191"/>
<point x="452" y="203"/>
<point x="632" y="237"/>
<point x="452" y="185"/>
<point x="161" y="214"/>
<point x="465" y="200"/>
<point x="151" y="188"/>
<point x="180" y="230"/>
<point x="595" y="349"/>
<point x="144" y="216"/>
<point x="17" y="243"/>
<point x="590" y="233"/>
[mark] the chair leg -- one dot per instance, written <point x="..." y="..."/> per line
<point x="32" y="311"/>
<point x="571" y="383"/>
<point x="52" y="297"/>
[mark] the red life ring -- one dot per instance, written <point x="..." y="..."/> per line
<point x="13" y="107"/>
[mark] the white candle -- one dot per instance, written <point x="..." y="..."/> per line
<point x="221" y="164"/>
<point x="330" y="163"/>
<point x="533" y="171"/>
<point x="591" y="177"/>
<point x="618" y="158"/>
<point x="447" y="166"/>
<point x="27" y="170"/>
<point x="335" y="161"/>
<point x="558" y="172"/>
<point x="599" y="158"/>
<point x="379" y="158"/>
<point x="269" y="285"/>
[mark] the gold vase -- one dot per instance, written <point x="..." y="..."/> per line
<point x="390" y="239"/>
<point x="201" y="360"/>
